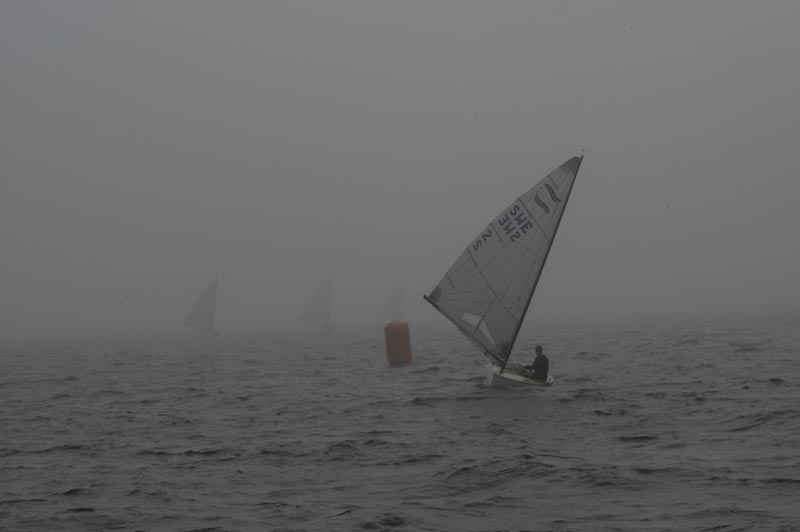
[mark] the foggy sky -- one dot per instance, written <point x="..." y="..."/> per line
<point x="146" y="147"/>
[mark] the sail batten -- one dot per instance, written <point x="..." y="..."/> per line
<point x="487" y="291"/>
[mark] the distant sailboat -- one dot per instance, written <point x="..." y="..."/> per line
<point x="202" y="314"/>
<point x="394" y="306"/>
<point x="488" y="290"/>
<point x="318" y="310"/>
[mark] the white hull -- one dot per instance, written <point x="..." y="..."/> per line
<point x="511" y="377"/>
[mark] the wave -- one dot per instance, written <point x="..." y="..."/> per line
<point x="429" y="369"/>
<point x="103" y="393"/>
<point x="206" y="452"/>
<point x="159" y="494"/>
<point x="188" y="452"/>
<point x="637" y="438"/>
<point x="781" y="480"/>
<point x="619" y="412"/>
<point x="206" y="529"/>
<point x="386" y="520"/>
<point x="67" y="447"/>
<point x="624" y="440"/>
<point x="408" y="459"/>
<point x="22" y="501"/>
<point x="59" y="396"/>
<point x="757" y="420"/>
<point x="605" y="477"/>
<point x="283" y="452"/>
<point x="75" y="491"/>
<point x="747" y="347"/>
<point x="667" y="470"/>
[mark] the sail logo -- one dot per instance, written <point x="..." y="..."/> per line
<point x="542" y="204"/>
<point x="515" y="222"/>
<point x="552" y="194"/>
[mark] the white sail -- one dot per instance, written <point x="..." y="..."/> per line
<point x="318" y="309"/>
<point x="202" y="314"/>
<point x="486" y="293"/>
<point x="394" y="306"/>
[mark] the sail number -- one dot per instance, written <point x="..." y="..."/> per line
<point x="515" y="222"/>
<point x="485" y="236"/>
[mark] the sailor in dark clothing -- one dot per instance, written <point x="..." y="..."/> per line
<point x="540" y="366"/>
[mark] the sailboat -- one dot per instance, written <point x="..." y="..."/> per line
<point x="488" y="290"/>
<point x="202" y="314"/>
<point x="393" y="308"/>
<point x="318" y="310"/>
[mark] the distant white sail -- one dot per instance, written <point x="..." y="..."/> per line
<point x="202" y="314"/>
<point x="486" y="293"/>
<point x="394" y="306"/>
<point x="318" y="309"/>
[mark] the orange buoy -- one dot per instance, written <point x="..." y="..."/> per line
<point x="398" y="343"/>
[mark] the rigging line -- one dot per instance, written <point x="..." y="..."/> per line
<point x="463" y="330"/>
<point x="488" y="307"/>
<point x="460" y="295"/>
<point x="517" y="261"/>
<point x="454" y="295"/>
<point x="529" y="250"/>
<point x="506" y="253"/>
<point x="489" y="286"/>
<point x="471" y="283"/>
<point x="508" y="285"/>
<point x="472" y="303"/>
<point x="465" y="271"/>
<point x="490" y="260"/>
<point x="473" y="288"/>
<point x="533" y="274"/>
<point x="518" y="256"/>
<point x="498" y="260"/>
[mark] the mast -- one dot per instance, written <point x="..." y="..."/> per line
<point x="330" y="304"/>
<point x="214" y="307"/>
<point x="544" y="262"/>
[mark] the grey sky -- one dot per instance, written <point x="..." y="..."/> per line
<point x="146" y="147"/>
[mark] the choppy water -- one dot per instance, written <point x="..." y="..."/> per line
<point x="660" y="427"/>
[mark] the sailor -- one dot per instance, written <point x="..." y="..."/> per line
<point x="540" y="366"/>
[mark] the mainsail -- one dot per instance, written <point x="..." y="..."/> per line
<point x="486" y="293"/>
<point x="318" y="310"/>
<point x="202" y="315"/>
<point x="393" y="308"/>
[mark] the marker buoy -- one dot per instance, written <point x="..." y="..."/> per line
<point x="398" y="343"/>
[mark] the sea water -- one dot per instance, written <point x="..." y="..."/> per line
<point x="660" y="426"/>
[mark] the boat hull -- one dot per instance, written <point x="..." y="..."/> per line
<point x="511" y="376"/>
